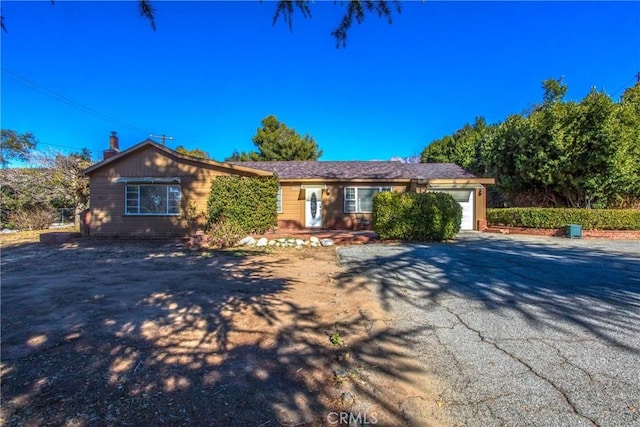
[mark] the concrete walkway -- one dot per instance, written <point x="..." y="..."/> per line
<point x="519" y="330"/>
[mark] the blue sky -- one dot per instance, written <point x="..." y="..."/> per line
<point x="213" y="70"/>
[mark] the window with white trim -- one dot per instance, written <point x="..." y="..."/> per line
<point x="360" y="199"/>
<point x="279" y="200"/>
<point x="152" y="199"/>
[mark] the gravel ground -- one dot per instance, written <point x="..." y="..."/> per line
<point x="517" y="330"/>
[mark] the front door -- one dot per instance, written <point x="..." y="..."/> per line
<point x="313" y="207"/>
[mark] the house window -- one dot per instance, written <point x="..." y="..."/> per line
<point x="360" y="199"/>
<point x="152" y="199"/>
<point x="279" y="200"/>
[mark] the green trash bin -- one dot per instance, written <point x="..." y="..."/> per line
<point x="574" y="231"/>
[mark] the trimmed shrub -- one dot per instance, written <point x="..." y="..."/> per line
<point x="590" y="219"/>
<point x="416" y="216"/>
<point x="225" y="233"/>
<point x="247" y="204"/>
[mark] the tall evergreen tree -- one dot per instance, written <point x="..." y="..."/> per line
<point x="462" y="148"/>
<point x="577" y="154"/>
<point x="561" y="153"/>
<point x="276" y="141"/>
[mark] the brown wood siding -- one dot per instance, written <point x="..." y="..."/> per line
<point x="107" y="197"/>
<point x="333" y="215"/>
<point x="108" y="217"/>
<point x="333" y="206"/>
<point x="480" y="207"/>
<point x="292" y="215"/>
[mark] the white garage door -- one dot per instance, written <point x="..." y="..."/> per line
<point x="465" y="198"/>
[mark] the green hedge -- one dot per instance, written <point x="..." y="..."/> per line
<point x="416" y="217"/>
<point x="589" y="219"/>
<point x="248" y="204"/>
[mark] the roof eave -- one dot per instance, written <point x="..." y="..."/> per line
<point x="395" y="180"/>
<point x="457" y="181"/>
<point x="167" y="150"/>
<point x="329" y="180"/>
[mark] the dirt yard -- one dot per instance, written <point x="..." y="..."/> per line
<point x="151" y="333"/>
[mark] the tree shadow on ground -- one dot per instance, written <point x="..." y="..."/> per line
<point x="146" y="334"/>
<point x="547" y="285"/>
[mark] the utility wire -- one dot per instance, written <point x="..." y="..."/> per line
<point x="635" y="77"/>
<point x="60" y="146"/>
<point x="61" y="98"/>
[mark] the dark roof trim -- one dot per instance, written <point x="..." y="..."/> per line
<point x="169" y="151"/>
<point x="147" y="180"/>
<point x="445" y="181"/>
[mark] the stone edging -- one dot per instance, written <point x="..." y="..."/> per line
<point x="285" y="242"/>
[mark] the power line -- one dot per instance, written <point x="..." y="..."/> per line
<point x="61" y="98"/>
<point x="60" y="146"/>
<point x="635" y="77"/>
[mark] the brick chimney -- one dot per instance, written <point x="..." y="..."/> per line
<point x="114" y="147"/>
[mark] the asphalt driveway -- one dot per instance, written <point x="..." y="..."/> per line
<point x="517" y="330"/>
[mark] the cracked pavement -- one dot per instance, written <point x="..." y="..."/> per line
<point x="516" y="330"/>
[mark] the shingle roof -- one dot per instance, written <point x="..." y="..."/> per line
<point x="359" y="170"/>
<point x="436" y="170"/>
<point x="321" y="170"/>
